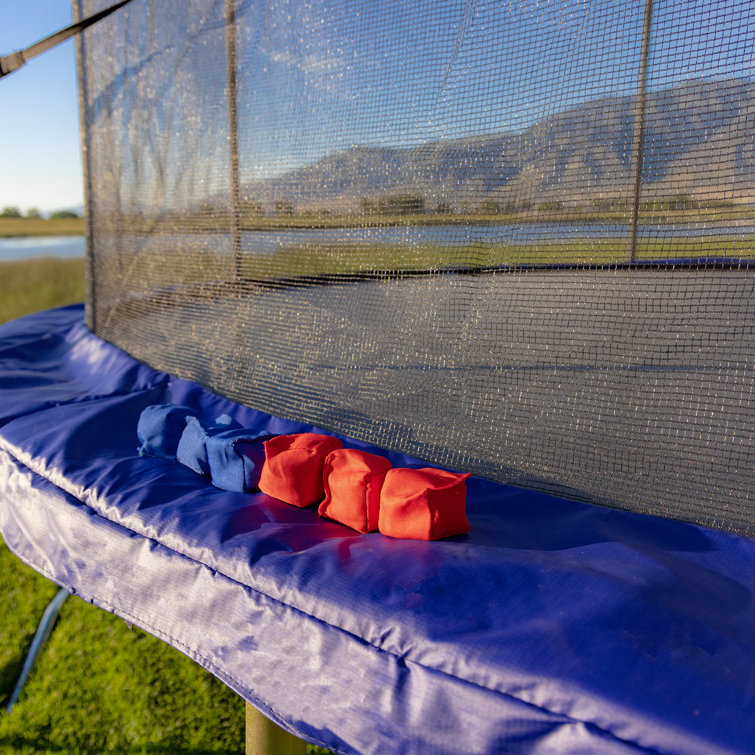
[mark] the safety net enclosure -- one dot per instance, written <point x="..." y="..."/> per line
<point x="514" y="238"/>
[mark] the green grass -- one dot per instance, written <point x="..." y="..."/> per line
<point x="213" y="222"/>
<point x="98" y="686"/>
<point x="31" y="285"/>
<point x="329" y="258"/>
<point x="180" y="266"/>
<point x="217" y="220"/>
<point x="101" y="687"/>
<point x="10" y="227"/>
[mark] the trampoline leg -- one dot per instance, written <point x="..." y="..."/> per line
<point x="263" y="737"/>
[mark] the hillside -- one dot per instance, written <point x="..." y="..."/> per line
<point x="699" y="137"/>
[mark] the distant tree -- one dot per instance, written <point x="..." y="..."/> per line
<point x="251" y="207"/>
<point x="10" y="212"/>
<point x="401" y="204"/>
<point x="33" y="214"/>
<point x="609" y="203"/>
<point x="490" y="208"/>
<point x="715" y="203"/>
<point x="59" y="214"/>
<point x="444" y="208"/>
<point x="678" y="202"/>
<point x="549" y="206"/>
<point x="284" y="207"/>
<point x="367" y="206"/>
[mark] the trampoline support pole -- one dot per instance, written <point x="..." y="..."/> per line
<point x="263" y="737"/>
<point x="40" y="638"/>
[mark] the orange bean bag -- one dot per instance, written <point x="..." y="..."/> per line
<point x="353" y="480"/>
<point x="423" y="504"/>
<point x="293" y="467"/>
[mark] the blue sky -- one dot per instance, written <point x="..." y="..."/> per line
<point x="40" y="160"/>
<point x="425" y="76"/>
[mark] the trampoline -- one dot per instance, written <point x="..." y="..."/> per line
<point x="513" y="240"/>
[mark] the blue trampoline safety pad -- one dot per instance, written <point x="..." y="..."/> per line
<point x="554" y="626"/>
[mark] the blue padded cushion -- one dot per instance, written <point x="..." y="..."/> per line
<point x="554" y="626"/>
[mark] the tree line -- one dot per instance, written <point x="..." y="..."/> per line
<point x="34" y="214"/>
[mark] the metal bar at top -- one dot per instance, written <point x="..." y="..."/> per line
<point x="233" y="134"/>
<point x="638" y="135"/>
<point x="14" y="61"/>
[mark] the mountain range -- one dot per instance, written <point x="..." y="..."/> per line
<point x="699" y="140"/>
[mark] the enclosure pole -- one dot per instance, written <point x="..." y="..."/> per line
<point x="263" y="737"/>
<point x="638" y="135"/>
<point x="86" y="156"/>
<point x="233" y="135"/>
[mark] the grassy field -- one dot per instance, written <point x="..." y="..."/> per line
<point x="253" y="222"/>
<point x="177" y="266"/>
<point x="31" y="285"/>
<point x="329" y="258"/>
<point x="99" y="686"/>
<point x="10" y="227"/>
<point x="216" y="220"/>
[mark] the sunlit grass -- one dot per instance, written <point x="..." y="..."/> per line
<point x="31" y="285"/>
<point x="201" y="269"/>
<point x="328" y="258"/>
<point x="101" y="687"/>
<point x="10" y="227"/>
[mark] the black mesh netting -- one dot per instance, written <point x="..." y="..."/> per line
<point x="516" y="238"/>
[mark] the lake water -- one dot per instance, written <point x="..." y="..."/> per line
<point x="41" y="246"/>
<point x="269" y="241"/>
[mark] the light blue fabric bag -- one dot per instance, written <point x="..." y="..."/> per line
<point x="192" y="447"/>
<point x="235" y="459"/>
<point x="160" y="428"/>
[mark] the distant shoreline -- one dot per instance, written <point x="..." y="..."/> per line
<point x="190" y="223"/>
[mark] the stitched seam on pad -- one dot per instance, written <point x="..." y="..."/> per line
<point x="377" y="648"/>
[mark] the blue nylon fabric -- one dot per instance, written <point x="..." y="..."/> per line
<point x="192" y="446"/>
<point x="160" y="428"/>
<point x="554" y="626"/>
<point x="235" y="458"/>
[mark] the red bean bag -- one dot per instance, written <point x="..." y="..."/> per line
<point x="353" y="480"/>
<point x="423" y="504"/>
<point x="293" y="466"/>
